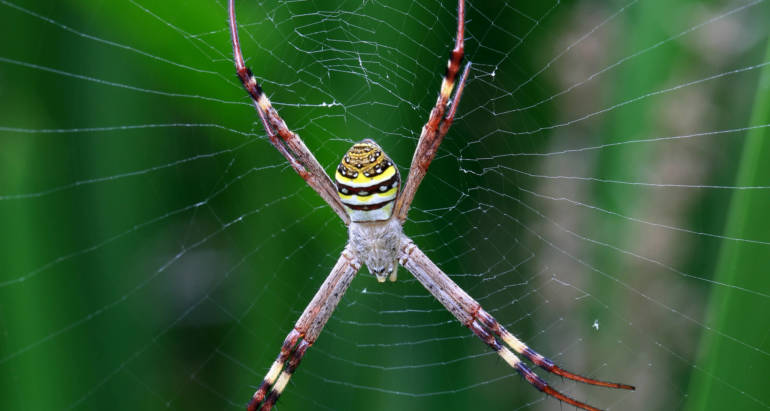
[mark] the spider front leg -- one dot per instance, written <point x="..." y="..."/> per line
<point x="290" y="145"/>
<point x="307" y="328"/>
<point x="439" y="121"/>
<point x="487" y="328"/>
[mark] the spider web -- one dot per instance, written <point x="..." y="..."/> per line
<point x="156" y="249"/>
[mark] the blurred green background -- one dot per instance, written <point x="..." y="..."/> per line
<point x="603" y="193"/>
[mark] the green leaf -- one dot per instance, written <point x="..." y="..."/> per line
<point x="734" y="358"/>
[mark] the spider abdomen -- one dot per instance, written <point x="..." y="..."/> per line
<point x="367" y="182"/>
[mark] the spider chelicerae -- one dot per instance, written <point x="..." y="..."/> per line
<point x="368" y="199"/>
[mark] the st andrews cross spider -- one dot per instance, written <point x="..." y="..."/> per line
<point x="368" y="199"/>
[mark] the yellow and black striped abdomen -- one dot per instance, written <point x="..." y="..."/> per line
<point x="367" y="182"/>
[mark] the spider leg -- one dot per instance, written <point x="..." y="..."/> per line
<point x="439" y="121"/>
<point x="484" y="326"/>
<point x="536" y="358"/>
<point x="291" y="145"/>
<point x="305" y="332"/>
<point x="275" y="369"/>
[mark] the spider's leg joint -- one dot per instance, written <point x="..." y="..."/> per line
<point x="475" y="310"/>
<point x="455" y="57"/>
<point x="275" y="370"/>
<point x="352" y="260"/>
<point x="531" y="377"/>
<point x="406" y="252"/>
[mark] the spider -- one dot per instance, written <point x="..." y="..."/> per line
<point x="368" y="198"/>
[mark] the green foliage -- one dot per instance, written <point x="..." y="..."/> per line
<point x="741" y="310"/>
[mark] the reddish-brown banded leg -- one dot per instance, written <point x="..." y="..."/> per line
<point x="306" y="330"/>
<point x="450" y="115"/>
<point x="296" y="357"/>
<point x="484" y="326"/>
<point x="522" y="369"/>
<point x="439" y="121"/>
<point x="292" y="147"/>
<point x="537" y="359"/>
<point x="272" y="375"/>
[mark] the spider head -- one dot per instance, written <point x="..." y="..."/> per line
<point x="376" y="245"/>
<point x="367" y="182"/>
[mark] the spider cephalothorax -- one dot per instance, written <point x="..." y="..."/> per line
<point x="367" y="199"/>
<point x="376" y="244"/>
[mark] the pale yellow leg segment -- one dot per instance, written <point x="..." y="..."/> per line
<point x="275" y="369"/>
<point x="508" y="338"/>
<point x="446" y="88"/>
<point x="513" y="342"/>
<point x="281" y="383"/>
<point x="288" y="371"/>
<point x="509" y="357"/>
<point x="264" y="102"/>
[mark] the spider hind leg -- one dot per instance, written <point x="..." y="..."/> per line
<point x="536" y="358"/>
<point x="487" y="328"/>
<point x="269" y="382"/>
<point x="522" y="368"/>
